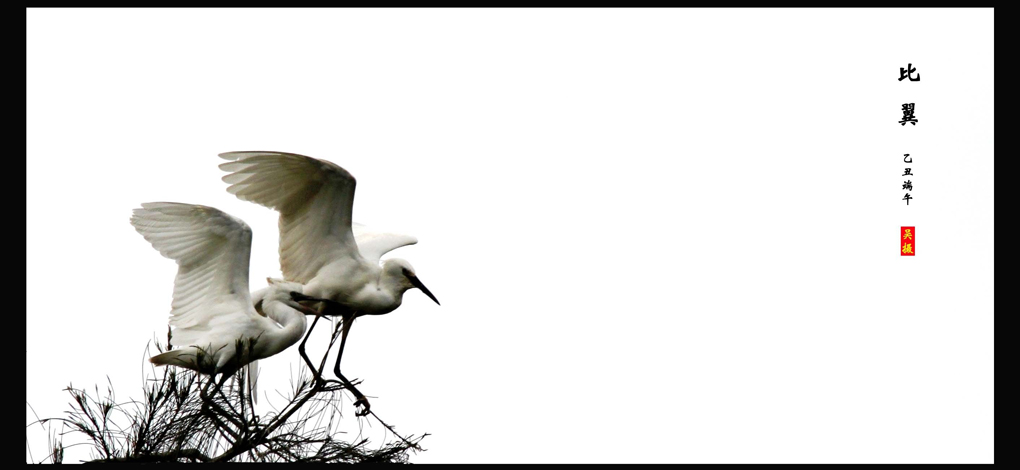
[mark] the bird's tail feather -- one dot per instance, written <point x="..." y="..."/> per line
<point x="175" y="357"/>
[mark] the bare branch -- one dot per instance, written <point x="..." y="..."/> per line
<point x="178" y="421"/>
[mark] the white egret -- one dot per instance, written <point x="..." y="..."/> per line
<point x="212" y="309"/>
<point x="318" y="247"/>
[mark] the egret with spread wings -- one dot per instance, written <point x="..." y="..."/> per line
<point x="212" y="308"/>
<point x="318" y="247"/>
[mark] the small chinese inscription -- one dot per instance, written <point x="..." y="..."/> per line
<point x="908" y="242"/>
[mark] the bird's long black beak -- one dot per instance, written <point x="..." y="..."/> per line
<point x="417" y="283"/>
<point x="331" y="308"/>
<point x="301" y="297"/>
<point x="297" y="297"/>
<point x="301" y="308"/>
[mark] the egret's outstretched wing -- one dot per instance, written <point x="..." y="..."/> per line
<point x="212" y="250"/>
<point x="373" y="245"/>
<point x="314" y="198"/>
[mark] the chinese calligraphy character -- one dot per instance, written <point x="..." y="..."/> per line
<point x="906" y="158"/>
<point x="908" y="114"/>
<point x="907" y="198"/>
<point x="908" y="186"/>
<point x="906" y="172"/>
<point x="906" y="234"/>
<point x="908" y="72"/>
<point x="907" y="249"/>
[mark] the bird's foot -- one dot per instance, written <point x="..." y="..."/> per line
<point x="323" y="383"/>
<point x="362" y="402"/>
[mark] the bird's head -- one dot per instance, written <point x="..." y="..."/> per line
<point x="403" y="273"/>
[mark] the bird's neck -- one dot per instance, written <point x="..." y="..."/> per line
<point x="278" y="339"/>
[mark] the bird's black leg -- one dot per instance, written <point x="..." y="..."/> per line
<point x="332" y="341"/>
<point x="323" y="304"/>
<point x="348" y="319"/>
<point x="219" y="387"/>
<point x="301" y="349"/>
<point x="331" y="308"/>
<point x="317" y="374"/>
<point x="205" y="390"/>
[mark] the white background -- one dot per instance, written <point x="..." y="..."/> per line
<point x="657" y="235"/>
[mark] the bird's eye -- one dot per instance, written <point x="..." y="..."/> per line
<point x="407" y="272"/>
